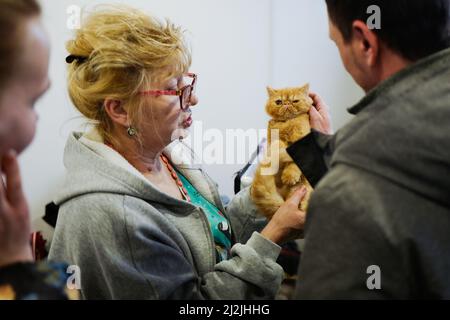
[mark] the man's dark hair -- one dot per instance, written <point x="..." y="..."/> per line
<point x="413" y="28"/>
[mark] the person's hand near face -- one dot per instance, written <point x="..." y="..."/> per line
<point x="14" y="215"/>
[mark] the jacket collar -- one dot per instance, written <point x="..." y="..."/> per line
<point x="420" y="69"/>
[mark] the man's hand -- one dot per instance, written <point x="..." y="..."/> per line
<point x="319" y="115"/>
<point x="14" y="215"/>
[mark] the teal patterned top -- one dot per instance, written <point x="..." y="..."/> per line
<point x="220" y="227"/>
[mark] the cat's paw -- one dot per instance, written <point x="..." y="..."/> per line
<point x="291" y="175"/>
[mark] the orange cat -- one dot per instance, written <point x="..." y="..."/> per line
<point x="278" y="176"/>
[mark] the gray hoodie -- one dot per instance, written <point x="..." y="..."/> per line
<point x="132" y="241"/>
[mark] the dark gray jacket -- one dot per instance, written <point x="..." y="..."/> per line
<point x="386" y="200"/>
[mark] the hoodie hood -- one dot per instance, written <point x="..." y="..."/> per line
<point x="93" y="167"/>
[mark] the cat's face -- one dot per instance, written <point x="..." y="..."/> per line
<point x="285" y="104"/>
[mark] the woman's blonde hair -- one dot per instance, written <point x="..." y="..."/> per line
<point x="117" y="52"/>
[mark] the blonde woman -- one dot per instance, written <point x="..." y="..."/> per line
<point x="138" y="223"/>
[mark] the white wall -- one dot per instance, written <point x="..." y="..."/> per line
<point x="303" y="52"/>
<point x="239" y="47"/>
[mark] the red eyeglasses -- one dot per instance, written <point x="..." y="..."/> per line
<point x="184" y="93"/>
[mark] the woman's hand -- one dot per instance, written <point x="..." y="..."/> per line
<point x="288" y="221"/>
<point x="319" y="115"/>
<point x="14" y="215"/>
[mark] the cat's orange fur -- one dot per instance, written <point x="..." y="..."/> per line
<point x="289" y="109"/>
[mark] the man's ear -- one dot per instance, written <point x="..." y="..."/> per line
<point x="366" y="42"/>
<point x="116" y="112"/>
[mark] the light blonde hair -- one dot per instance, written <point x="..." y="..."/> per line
<point x="122" y="50"/>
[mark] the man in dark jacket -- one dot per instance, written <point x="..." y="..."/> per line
<point x="378" y="224"/>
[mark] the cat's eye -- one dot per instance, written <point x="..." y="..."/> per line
<point x="296" y="101"/>
<point x="279" y="102"/>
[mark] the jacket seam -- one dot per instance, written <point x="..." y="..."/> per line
<point x="131" y="251"/>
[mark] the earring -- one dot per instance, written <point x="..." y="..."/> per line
<point x="131" y="131"/>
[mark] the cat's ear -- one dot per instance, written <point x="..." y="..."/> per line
<point x="270" y="91"/>
<point x="305" y="88"/>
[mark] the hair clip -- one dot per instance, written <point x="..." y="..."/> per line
<point x="71" y="58"/>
